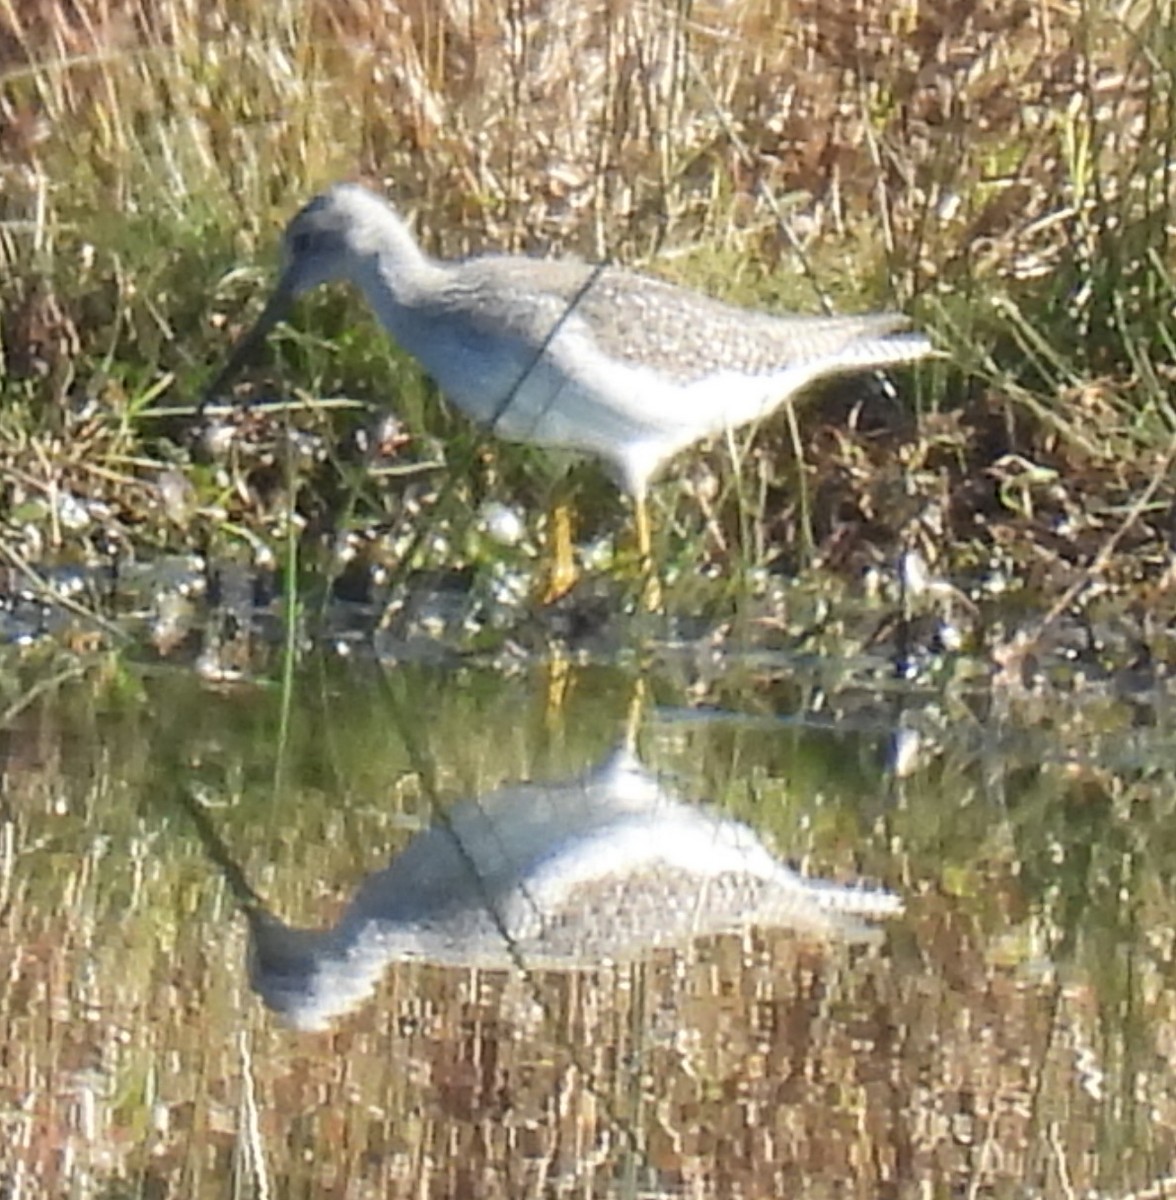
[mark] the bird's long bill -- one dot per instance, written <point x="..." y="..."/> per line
<point x="277" y="307"/>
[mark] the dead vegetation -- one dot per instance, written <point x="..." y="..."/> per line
<point x="1001" y="170"/>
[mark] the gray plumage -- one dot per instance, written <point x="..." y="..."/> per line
<point x="565" y="875"/>
<point x="607" y="362"/>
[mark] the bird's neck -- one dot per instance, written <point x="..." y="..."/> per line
<point x="397" y="279"/>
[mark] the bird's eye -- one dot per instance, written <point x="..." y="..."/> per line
<point x="301" y="244"/>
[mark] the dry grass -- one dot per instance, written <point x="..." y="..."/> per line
<point x="1003" y="170"/>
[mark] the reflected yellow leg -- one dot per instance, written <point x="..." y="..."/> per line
<point x="561" y="566"/>
<point x="636" y="710"/>
<point x="651" y="593"/>
<point x="559" y="678"/>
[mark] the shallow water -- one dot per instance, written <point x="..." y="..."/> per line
<point x="1009" y="1033"/>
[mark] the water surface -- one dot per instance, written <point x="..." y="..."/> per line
<point x="1008" y="1033"/>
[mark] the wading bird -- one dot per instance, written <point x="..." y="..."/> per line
<point x="603" y="361"/>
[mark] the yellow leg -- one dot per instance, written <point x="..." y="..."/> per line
<point x="561" y="571"/>
<point x="650" y="584"/>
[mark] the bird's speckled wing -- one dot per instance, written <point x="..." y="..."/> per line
<point x="642" y="320"/>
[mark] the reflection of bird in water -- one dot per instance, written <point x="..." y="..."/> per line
<point x="563" y="875"/>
